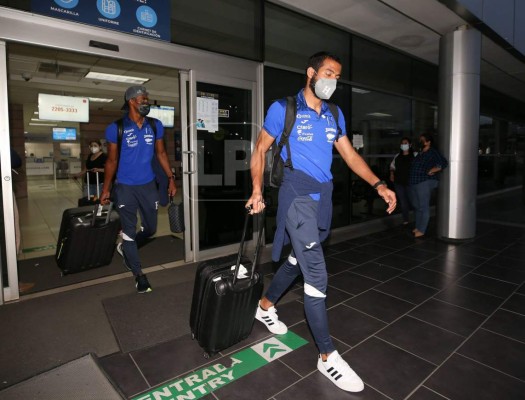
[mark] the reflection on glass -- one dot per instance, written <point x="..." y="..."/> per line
<point x="223" y="154"/>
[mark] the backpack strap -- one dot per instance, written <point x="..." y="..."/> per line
<point x="335" y="112"/>
<point x="289" y="121"/>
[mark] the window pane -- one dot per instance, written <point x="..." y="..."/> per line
<point x="383" y="120"/>
<point x="291" y="38"/>
<point x="233" y="28"/>
<point x="424" y="81"/>
<point x="380" y="67"/>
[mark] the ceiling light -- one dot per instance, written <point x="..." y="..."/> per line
<point x="360" y="91"/>
<point x="38" y="120"/>
<point x="99" y="100"/>
<point x="378" y="114"/>
<point x="116" y="78"/>
<point x="39" y="124"/>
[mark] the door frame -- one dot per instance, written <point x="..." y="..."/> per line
<point x="255" y="95"/>
<point x="24" y="27"/>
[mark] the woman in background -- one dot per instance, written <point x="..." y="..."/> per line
<point x="399" y="175"/>
<point x="94" y="163"/>
<point x="424" y="178"/>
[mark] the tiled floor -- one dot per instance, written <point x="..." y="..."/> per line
<point x="416" y="319"/>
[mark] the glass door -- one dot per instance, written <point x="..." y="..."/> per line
<point x="218" y="163"/>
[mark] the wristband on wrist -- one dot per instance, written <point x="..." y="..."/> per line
<point x="379" y="183"/>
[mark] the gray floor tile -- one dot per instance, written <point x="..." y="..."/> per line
<point x="351" y="283"/>
<point x="123" y="371"/>
<point x="336" y="265"/>
<point x="417" y="254"/>
<point x="496" y="351"/>
<point x="424" y="393"/>
<point x="446" y="267"/>
<point x="501" y="273"/>
<point x="447" y="316"/>
<point x="487" y="285"/>
<point x="461" y="378"/>
<point x="508" y="324"/>
<point x="399" y="261"/>
<point x="429" y="278"/>
<point x="354" y="256"/>
<point x="318" y="387"/>
<point x="380" y="305"/>
<point x="260" y="384"/>
<point x="407" y="290"/>
<point x="465" y="259"/>
<point x="156" y="362"/>
<point x="470" y="299"/>
<point x="516" y="304"/>
<point x="377" y="271"/>
<point x="350" y="326"/>
<point x="421" y="339"/>
<point x="389" y="369"/>
<point x="502" y="261"/>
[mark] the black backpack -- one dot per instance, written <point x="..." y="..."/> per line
<point x="276" y="167"/>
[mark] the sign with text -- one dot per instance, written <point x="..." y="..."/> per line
<point x="202" y="382"/>
<point x="148" y="18"/>
<point x="63" y="108"/>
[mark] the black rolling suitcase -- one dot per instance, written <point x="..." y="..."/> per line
<point x="87" y="238"/>
<point x="224" y="303"/>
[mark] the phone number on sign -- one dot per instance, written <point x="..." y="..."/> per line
<point x="64" y="109"/>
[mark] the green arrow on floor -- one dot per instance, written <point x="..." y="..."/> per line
<point x="274" y="348"/>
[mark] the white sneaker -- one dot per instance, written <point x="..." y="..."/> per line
<point x="270" y="319"/>
<point x="339" y="372"/>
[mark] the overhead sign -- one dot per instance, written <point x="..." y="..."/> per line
<point x="148" y="18"/>
<point x="63" y="108"/>
<point x="206" y="380"/>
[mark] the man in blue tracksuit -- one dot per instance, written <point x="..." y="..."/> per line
<point x="136" y="188"/>
<point x="305" y="206"/>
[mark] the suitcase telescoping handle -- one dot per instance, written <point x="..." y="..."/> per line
<point x="98" y="185"/>
<point x="257" y="246"/>
<point x="97" y="211"/>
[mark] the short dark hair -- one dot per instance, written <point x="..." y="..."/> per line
<point x="428" y="137"/>
<point x="315" y="61"/>
<point x="95" y="141"/>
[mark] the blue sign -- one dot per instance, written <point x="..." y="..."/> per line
<point x="147" y="18"/>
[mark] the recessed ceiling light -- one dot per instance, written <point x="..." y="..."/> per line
<point x="360" y="91"/>
<point x="99" y="100"/>
<point x="116" y="78"/>
<point x="378" y="114"/>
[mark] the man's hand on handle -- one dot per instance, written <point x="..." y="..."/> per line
<point x="255" y="203"/>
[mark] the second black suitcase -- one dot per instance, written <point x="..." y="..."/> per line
<point x="87" y="238"/>
<point x="224" y="303"/>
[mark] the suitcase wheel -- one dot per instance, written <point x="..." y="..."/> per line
<point x="206" y="355"/>
<point x="192" y="336"/>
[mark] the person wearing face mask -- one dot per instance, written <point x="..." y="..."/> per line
<point x="399" y="170"/>
<point x="423" y="179"/>
<point x="305" y="205"/>
<point x="136" y="187"/>
<point x="94" y="163"/>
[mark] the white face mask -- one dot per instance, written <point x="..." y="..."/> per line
<point x="324" y="88"/>
<point x="95" y="149"/>
<point x="405" y="147"/>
